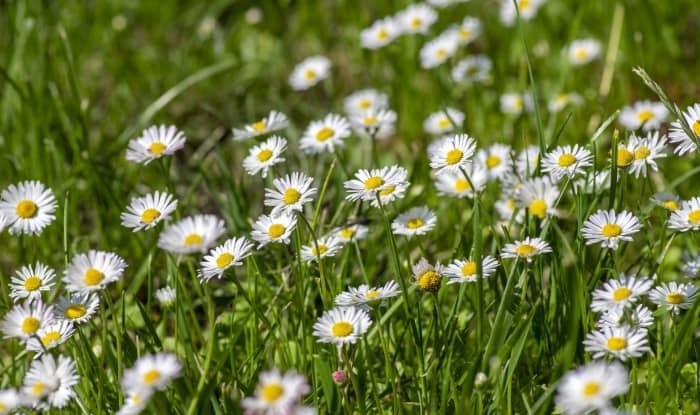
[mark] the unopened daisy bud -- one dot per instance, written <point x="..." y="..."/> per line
<point x="426" y="276"/>
<point x="339" y="377"/>
<point x="166" y="296"/>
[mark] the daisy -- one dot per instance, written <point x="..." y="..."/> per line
<point x="620" y="342"/>
<point x="443" y="121"/>
<point x="374" y="123"/>
<point x="381" y="33"/>
<point x="416" y="18"/>
<point x="561" y="101"/>
<point x="327" y="247"/>
<point x="526" y="8"/>
<point x="27" y="207"/>
<point x="667" y="200"/>
<point x="435" y="52"/>
<point x="309" y="72"/>
<point x="640" y="317"/>
<point x="468" y="30"/>
<point x="325" y="135"/>
<point x="538" y="195"/>
<point x="445" y="3"/>
<point x="153" y="371"/>
<point x="92" y="271"/>
<point x="455" y="184"/>
<point x="51" y="380"/>
<point x="265" y="155"/>
<point x="50" y="335"/>
<point x="363" y="295"/>
<point x="472" y="69"/>
<point x="146" y="212"/>
<point x="416" y="221"/>
<point x="583" y="51"/>
<point x="274" y="121"/>
<point x="395" y="190"/>
<point x="10" y="400"/>
<point x="691" y="264"/>
<point x="646" y="114"/>
<point x="367" y="184"/>
<point x="686" y="218"/>
<point x="609" y="228"/>
<point x="567" y="161"/>
<point x="223" y="257"/>
<point x="621" y="293"/>
<point x="290" y="193"/>
<point x="30" y="281"/>
<point x="154" y="143"/>
<point x="365" y="100"/>
<point x="497" y="159"/>
<point x="166" y="296"/>
<point x="591" y="387"/>
<point x="426" y="276"/>
<point x="526" y="249"/>
<point x="25" y="320"/>
<point x="625" y="156"/>
<point x="342" y="325"/>
<point x="460" y="271"/>
<point x="674" y="297"/>
<point x="278" y="228"/>
<point x="77" y="309"/>
<point x="453" y="154"/>
<point x="135" y="401"/>
<point x="646" y="150"/>
<point x="527" y="161"/>
<point x="276" y="393"/>
<point x="192" y="234"/>
<point x="508" y="210"/>
<point x="678" y="136"/>
<point x="515" y="104"/>
<point x="351" y="233"/>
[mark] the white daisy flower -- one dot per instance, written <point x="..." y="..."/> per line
<point x="154" y="143"/>
<point x="27" y="207"/>
<point x="77" y="309"/>
<point x="166" y="296"/>
<point x="526" y="8"/>
<point x="276" y="393"/>
<point x="290" y="193"/>
<point x="135" y="401"/>
<point x="445" y="3"/>
<point x="309" y="72"/>
<point x="508" y="209"/>
<point x="646" y="150"/>
<point x="472" y="69"/>
<point x="461" y="271"/>
<point x="567" y="161"/>
<point x="265" y="155"/>
<point x="591" y="387"/>
<point x="342" y="325"/>
<point x="527" y="161"/>
<point x="416" y="221"/>
<point x="526" y="249"/>
<point x="25" y="320"/>
<point x="667" y="200"/>
<point x="640" y="317"/>
<point x="609" y="228"/>
<point x="686" y="218"/>
<point x="674" y="297"/>
<point x="223" y="257"/>
<point x="516" y="104"/>
<point x="327" y="246"/>
<point x="351" y="233"/>
<point x="438" y="50"/>
<point x="396" y="189"/>
<point x="620" y="293"/>
<point x="453" y="154"/>
<point x="497" y="159"/>
<point x="646" y="114"/>
<point x="278" y="228"/>
<point x="274" y="121"/>
<point x="443" y="121"/>
<point x="583" y="51"/>
<point x="31" y="281"/>
<point x="538" y="195"/>
<point x="50" y="335"/>
<point x="367" y="184"/>
<point x="153" y="371"/>
<point x="359" y="102"/>
<point x="468" y="30"/>
<point x="51" y="381"/>
<point x="325" y="135"/>
<point x="416" y="18"/>
<point x="426" y="276"/>
<point x="364" y="295"/>
<point x="691" y="264"/>
<point x="561" y="101"/>
<point x="192" y="234"/>
<point x="10" y="400"/>
<point x="455" y="184"/>
<point x="378" y="123"/>
<point x="677" y="135"/>
<point x="620" y="342"/>
<point x="381" y="33"/>
<point x="146" y="212"/>
<point x="93" y="271"/>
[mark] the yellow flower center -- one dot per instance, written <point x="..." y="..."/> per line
<point x="645" y="115"/>
<point x="193" y="239"/>
<point x="624" y="157"/>
<point x="611" y="230"/>
<point x="75" y="311"/>
<point x="38" y="389"/>
<point x="365" y="103"/>
<point x="641" y="153"/>
<point x="538" y="208"/>
<point x="523" y="4"/>
<point x="3" y="407"/>
<point x="525" y="249"/>
<point x="416" y="22"/>
<point x="32" y="283"/>
<point x="464" y="33"/>
<point x="493" y="161"/>
<point x="310" y="74"/>
<point x="511" y="204"/>
<point x="616" y="343"/>
<point x="151" y="376"/>
<point x="429" y="281"/>
<point x="566" y="160"/>
<point x="441" y="53"/>
<point x="694" y="217"/>
<point x="291" y="196"/>
<point x="50" y="337"/>
<point x="30" y="325"/>
<point x="469" y="269"/>
<point x="372" y="294"/>
<point x="581" y="53"/>
<point x="265" y="154"/>
<point x="461" y="185"/>
<point x="224" y="260"/>
<point x="382" y="35"/>
<point x="149" y="215"/>
<point x="621" y="293"/>
<point x="562" y="99"/>
<point x="675" y="298"/>
<point x="414" y="223"/>
<point x="156" y="148"/>
<point x="276" y="230"/>
<point x="259" y="126"/>
<point x="271" y="392"/>
<point x="93" y="277"/>
<point x="136" y="399"/>
<point x="341" y="329"/>
<point x="369" y="120"/>
<point x="373" y="182"/>
<point x="324" y="134"/>
<point x="454" y="156"/>
<point x="387" y="190"/>
<point x="26" y="209"/>
<point x="696" y="127"/>
<point x="320" y="251"/>
<point x="671" y="205"/>
<point x="591" y="389"/>
<point x="444" y="123"/>
<point x="347" y="233"/>
<point x="518" y="103"/>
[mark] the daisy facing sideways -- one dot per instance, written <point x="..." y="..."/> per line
<point x="416" y="221"/>
<point x="444" y="121"/>
<point x="364" y="295"/>
<point x="154" y="371"/>
<point x="324" y="247"/>
<point x="155" y="142"/>
<point x="645" y="114"/>
<point x="674" y="297"/>
<point x="192" y="234"/>
<point x="687" y="218"/>
<point x="274" y="121"/>
<point x="686" y="142"/>
<point x="460" y="271"/>
<point x="526" y="249"/>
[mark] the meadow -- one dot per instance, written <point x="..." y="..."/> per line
<point x="349" y="207"/>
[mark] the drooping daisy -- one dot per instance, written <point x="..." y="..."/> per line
<point x="50" y="335"/>
<point x="526" y="8"/>
<point x="374" y="123"/>
<point x="10" y="400"/>
<point x="365" y="295"/>
<point x="146" y="212"/>
<point x="609" y="228"/>
<point x="526" y="249"/>
<point x="687" y="218"/>
<point x="290" y="193"/>
<point x="393" y="191"/>
<point x="460" y="271"/>
<point x="453" y="154"/>
<point x="342" y="325"/>
<point x="367" y="184"/>
<point x="309" y="72"/>
<point x="416" y="18"/>
<point x="380" y="33"/>
<point x="620" y="342"/>
<point x="28" y="207"/>
<point x="538" y="195"/>
<point x="620" y="293"/>
<point x="192" y="234"/>
<point x="265" y="155"/>
<point x="472" y="69"/>
<point x="267" y="229"/>
<point x="561" y="101"/>
<point x="274" y="121"/>
<point x="154" y="371"/>
<point x="426" y="276"/>
<point x="154" y="143"/>
<point x="567" y="161"/>
<point x="351" y="233"/>
<point x="646" y="150"/>
<point x="455" y="184"/>
<point x="677" y="135"/>
<point x="416" y="221"/>
<point x="435" y="52"/>
<point x="31" y="281"/>
<point x="515" y="103"/>
<point x="327" y="246"/>
<point x="77" y="309"/>
<point x="646" y="114"/>
<point x="223" y="257"/>
<point x="93" y="271"/>
<point x="667" y="200"/>
<point x="166" y="296"/>
<point x="583" y="51"/>
<point x="640" y="317"/>
<point x="497" y="159"/>
<point x="591" y="387"/>
<point x="277" y="393"/>
<point x="50" y="381"/>
<point x="365" y="100"/>
<point x="25" y="320"/>
<point x="674" y="297"/>
<point x="325" y="134"/>
<point x="444" y="121"/>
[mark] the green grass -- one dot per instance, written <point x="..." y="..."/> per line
<point x="74" y="90"/>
